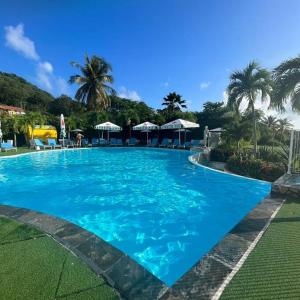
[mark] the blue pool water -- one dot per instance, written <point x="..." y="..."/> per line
<point x="163" y="211"/>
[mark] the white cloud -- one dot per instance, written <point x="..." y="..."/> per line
<point x="62" y="86"/>
<point x="43" y="73"/>
<point x="165" y="84"/>
<point x="204" y="85"/>
<point x="45" y="77"/>
<point x="16" y="40"/>
<point x="128" y="94"/>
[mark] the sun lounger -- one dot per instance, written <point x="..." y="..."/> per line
<point x="154" y="142"/>
<point x="119" y="142"/>
<point x="164" y="143"/>
<point x="102" y="142"/>
<point x="37" y="143"/>
<point x="95" y="142"/>
<point x="132" y="142"/>
<point x="85" y="143"/>
<point x="186" y="145"/>
<point x="195" y="143"/>
<point x="7" y="147"/>
<point x="53" y="144"/>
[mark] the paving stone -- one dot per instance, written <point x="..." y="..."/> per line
<point x="100" y="252"/>
<point x="230" y="250"/>
<point x="133" y="281"/>
<point x="72" y="235"/>
<point x="201" y="282"/>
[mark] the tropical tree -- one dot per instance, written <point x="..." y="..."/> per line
<point x="248" y="85"/>
<point x="283" y="126"/>
<point x="13" y="123"/>
<point x="95" y="83"/>
<point x="30" y="120"/>
<point x="174" y="102"/>
<point x="287" y="84"/>
<point x="271" y="122"/>
<point x="235" y="131"/>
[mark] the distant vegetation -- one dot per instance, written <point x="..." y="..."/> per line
<point x="253" y="143"/>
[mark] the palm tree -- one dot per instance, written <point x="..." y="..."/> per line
<point x="94" y="83"/>
<point x="174" y="102"/>
<point x="31" y="119"/>
<point x="283" y="126"/>
<point x="247" y="85"/>
<point x="287" y="84"/>
<point x="272" y="123"/>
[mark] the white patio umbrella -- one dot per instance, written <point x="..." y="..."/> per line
<point x="146" y="127"/>
<point x="179" y="124"/>
<point x="62" y="128"/>
<point x="109" y="127"/>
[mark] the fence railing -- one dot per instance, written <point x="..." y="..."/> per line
<point x="294" y="154"/>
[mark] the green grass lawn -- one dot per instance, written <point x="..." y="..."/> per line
<point x="33" y="266"/>
<point x="20" y="150"/>
<point x="272" y="270"/>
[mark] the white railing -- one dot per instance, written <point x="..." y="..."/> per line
<point x="294" y="154"/>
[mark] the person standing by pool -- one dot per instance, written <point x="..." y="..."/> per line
<point x="79" y="137"/>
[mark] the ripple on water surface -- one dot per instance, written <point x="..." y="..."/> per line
<point x="151" y="203"/>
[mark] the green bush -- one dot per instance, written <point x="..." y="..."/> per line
<point x="255" y="168"/>
<point x="221" y="154"/>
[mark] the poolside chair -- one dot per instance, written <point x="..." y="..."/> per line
<point x="7" y="147"/>
<point x="132" y="142"/>
<point x="113" y="142"/>
<point x="95" y="142"/>
<point x="37" y="143"/>
<point x="186" y="145"/>
<point x="164" y="143"/>
<point x="153" y="143"/>
<point x="195" y="143"/>
<point x="85" y="143"/>
<point x="53" y="144"/>
<point x="119" y="142"/>
<point x="102" y="142"/>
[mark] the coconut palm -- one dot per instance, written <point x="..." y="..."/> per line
<point x="174" y="102"/>
<point x="272" y="123"/>
<point x="94" y="81"/>
<point x="283" y="126"/>
<point x="248" y="85"/>
<point x="287" y="84"/>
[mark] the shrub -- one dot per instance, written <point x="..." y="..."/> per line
<point x="255" y="168"/>
<point x="221" y="154"/>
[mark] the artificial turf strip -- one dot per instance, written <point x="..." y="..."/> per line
<point x="36" y="267"/>
<point x="272" y="270"/>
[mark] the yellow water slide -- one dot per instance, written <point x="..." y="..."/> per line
<point x="41" y="132"/>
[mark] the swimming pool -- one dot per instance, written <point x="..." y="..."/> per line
<point x="153" y="204"/>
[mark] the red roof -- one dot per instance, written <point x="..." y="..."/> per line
<point x="11" y="108"/>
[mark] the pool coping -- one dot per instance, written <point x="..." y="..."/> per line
<point x="133" y="281"/>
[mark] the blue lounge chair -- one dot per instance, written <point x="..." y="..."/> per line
<point x="38" y="143"/>
<point x="132" y="142"/>
<point x="164" y="143"/>
<point x="154" y="142"/>
<point x="84" y="142"/>
<point x="102" y="142"/>
<point x="176" y="143"/>
<point x="95" y="142"/>
<point x="7" y="147"/>
<point x="195" y="143"/>
<point x="53" y="144"/>
<point x="119" y="142"/>
<point x="186" y="145"/>
<point x="113" y="142"/>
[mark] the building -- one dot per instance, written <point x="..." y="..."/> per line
<point x="11" y="110"/>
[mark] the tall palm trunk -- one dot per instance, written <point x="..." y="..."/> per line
<point x="254" y="129"/>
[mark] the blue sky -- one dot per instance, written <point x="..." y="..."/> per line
<point x="155" y="47"/>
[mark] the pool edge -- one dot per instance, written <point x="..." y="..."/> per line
<point x="133" y="281"/>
